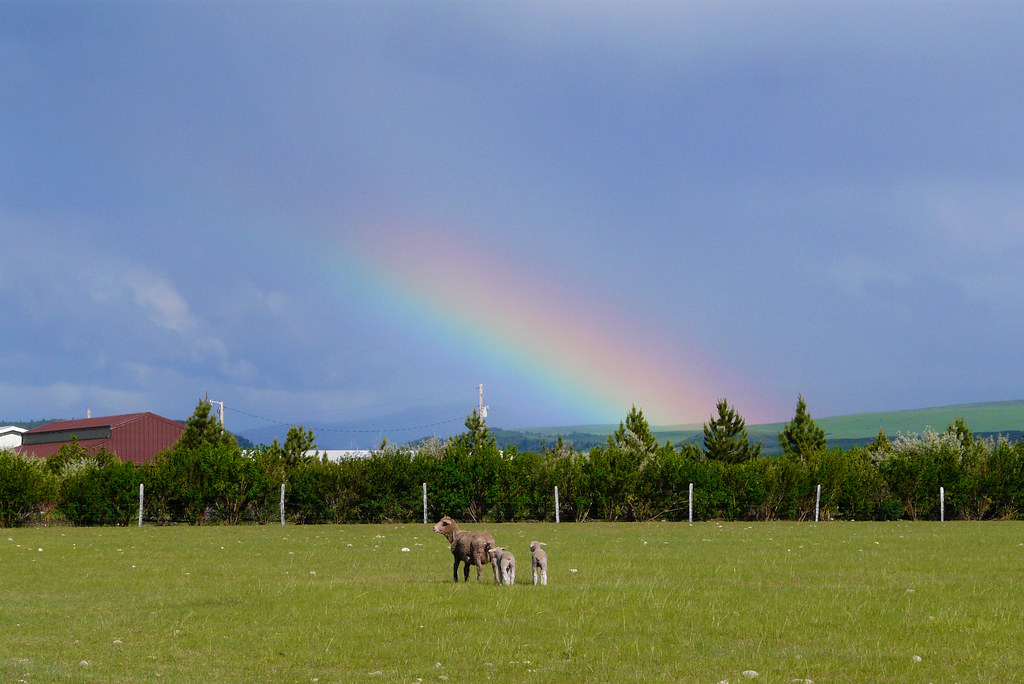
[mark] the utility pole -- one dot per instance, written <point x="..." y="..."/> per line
<point x="221" y="412"/>
<point x="481" y="408"/>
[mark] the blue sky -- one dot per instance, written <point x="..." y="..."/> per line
<point x="823" y="198"/>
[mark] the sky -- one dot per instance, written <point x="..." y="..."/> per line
<point x="328" y="213"/>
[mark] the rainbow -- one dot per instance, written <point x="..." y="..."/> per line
<point x="530" y="324"/>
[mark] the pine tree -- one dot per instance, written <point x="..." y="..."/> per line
<point x="962" y="432"/>
<point x="477" y="435"/>
<point x="297" y="443"/>
<point x="202" y="427"/>
<point x="801" y="437"/>
<point x="881" y="445"/>
<point x="725" y="437"/>
<point x="635" y="433"/>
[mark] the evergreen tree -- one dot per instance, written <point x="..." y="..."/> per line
<point x="297" y="443"/>
<point x="202" y="427"/>
<point x="634" y="434"/>
<point x="801" y="436"/>
<point x="881" y="446"/>
<point x="725" y="437"/>
<point x="962" y="432"/>
<point x="477" y="435"/>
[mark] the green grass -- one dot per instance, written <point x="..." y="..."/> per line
<point x="836" y="602"/>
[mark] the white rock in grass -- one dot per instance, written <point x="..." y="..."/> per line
<point x="405" y="549"/>
<point x="750" y="674"/>
<point x="916" y="659"/>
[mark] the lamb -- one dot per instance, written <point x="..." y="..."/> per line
<point x="540" y="562"/>
<point x="505" y="562"/>
<point x="468" y="546"/>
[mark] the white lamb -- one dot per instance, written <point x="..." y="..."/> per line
<point x="505" y="562"/>
<point x="540" y="562"/>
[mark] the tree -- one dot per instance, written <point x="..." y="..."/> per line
<point x="881" y="447"/>
<point x="635" y="434"/>
<point x="725" y="437"/>
<point x="297" y="443"/>
<point x="477" y="435"/>
<point x="202" y="427"/>
<point x="962" y="432"/>
<point x="801" y="437"/>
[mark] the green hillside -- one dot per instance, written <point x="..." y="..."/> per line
<point x="989" y="418"/>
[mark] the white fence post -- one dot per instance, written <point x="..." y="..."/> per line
<point x="817" y="504"/>
<point x="942" y="504"/>
<point x="557" y="516"/>
<point x="282" y="504"/>
<point x="691" y="502"/>
<point x="142" y="488"/>
<point x="424" y="503"/>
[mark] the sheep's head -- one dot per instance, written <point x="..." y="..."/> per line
<point x="534" y="545"/>
<point x="444" y="525"/>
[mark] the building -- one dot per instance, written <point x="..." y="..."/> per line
<point x="10" y="436"/>
<point x="135" y="437"/>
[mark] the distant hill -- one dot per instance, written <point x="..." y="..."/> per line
<point x="984" y="419"/>
<point x="29" y="424"/>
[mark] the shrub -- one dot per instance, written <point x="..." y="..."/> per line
<point x="27" y="487"/>
<point x="99" y="490"/>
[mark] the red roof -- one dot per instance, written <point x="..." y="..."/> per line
<point x="136" y="437"/>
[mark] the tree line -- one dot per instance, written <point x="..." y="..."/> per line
<point x="208" y="478"/>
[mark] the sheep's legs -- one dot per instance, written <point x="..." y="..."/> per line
<point x="465" y="574"/>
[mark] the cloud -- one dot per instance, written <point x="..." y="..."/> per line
<point x="165" y="306"/>
<point x="69" y="399"/>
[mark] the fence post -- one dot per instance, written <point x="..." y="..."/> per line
<point x="691" y="502"/>
<point x="424" y="503"/>
<point x="817" y="503"/>
<point x="142" y="489"/>
<point x="282" y="504"/>
<point x="557" y="516"/>
<point x="942" y="504"/>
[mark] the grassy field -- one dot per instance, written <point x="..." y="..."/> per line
<point x="836" y="602"/>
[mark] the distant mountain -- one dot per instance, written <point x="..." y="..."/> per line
<point x="399" y="428"/>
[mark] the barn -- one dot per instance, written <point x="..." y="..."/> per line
<point x="135" y="437"/>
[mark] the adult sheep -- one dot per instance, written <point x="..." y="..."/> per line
<point x="468" y="546"/>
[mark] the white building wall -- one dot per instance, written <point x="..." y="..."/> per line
<point x="10" y="436"/>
